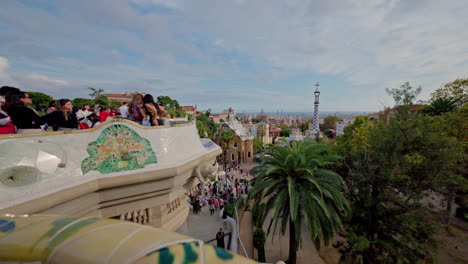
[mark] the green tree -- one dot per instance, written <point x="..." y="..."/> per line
<point x="256" y="120"/>
<point x="82" y="101"/>
<point x="167" y="101"/>
<point x="297" y="187"/>
<point x="388" y="167"/>
<point x="202" y="129"/>
<point x="257" y="144"/>
<point x="40" y="101"/>
<point x="405" y="95"/>
<point x="456" y="90"/>
<point x="224" y="139"/>
<point x="329" y="123"/>
<point x="441" y="105"/>
<point x="305" y="126"/>
<point x="285" y="132"/>
<point x="96" y="93"/>
<point x="262" y="130"/>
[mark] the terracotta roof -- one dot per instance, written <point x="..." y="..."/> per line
<point x="188" y="108"/>
<point x="118" y="95"/>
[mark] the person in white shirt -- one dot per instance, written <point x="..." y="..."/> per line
<point x="124" y="110"/>
<point x="83" y="114"/>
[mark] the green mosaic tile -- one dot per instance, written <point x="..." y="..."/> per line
<point x="118" y="148"/>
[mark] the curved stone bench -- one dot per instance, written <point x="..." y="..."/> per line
<point x="118" y="170"/>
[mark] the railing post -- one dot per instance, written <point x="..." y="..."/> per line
<point x="229" y="240"/>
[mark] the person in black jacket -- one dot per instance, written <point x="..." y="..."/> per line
<point x="25" y="118"/>
<point x="220" y="238"/>
<point x="63" y="118"/>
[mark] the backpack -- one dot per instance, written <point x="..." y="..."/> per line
<point x="8" y="128"/>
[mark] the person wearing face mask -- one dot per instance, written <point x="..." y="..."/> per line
<point x="23" y="116"/>
<point x="63" y="118"/>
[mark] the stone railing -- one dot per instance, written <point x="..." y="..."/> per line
<point x="118" y="170"/>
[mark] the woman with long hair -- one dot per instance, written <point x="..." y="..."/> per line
<point x="63" y="118"/>
<point x="150" y="108"/>
<point x="136" y="111"/>
<point x="24" y="117"/>
<point x="156" y="111"/>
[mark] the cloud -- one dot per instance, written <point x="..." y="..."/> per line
<point x="173" y="4"/>
<point x="46" y="80"/>
<point x="5" y="76"/>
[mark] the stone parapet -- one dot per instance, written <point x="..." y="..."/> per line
<point x="119" y="170"/>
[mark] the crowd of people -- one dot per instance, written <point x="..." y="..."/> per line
<point x="214" y="196"/>
<point x="17" y="115"/>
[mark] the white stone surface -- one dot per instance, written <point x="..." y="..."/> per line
<point x="173" y="146"/>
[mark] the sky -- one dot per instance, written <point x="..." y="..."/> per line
<point x="243" y="54"/>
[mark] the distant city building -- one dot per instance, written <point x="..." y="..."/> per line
<point x="274" y="131"/>
<point x="218" y="118"/>
<point x="125" y="97"/>
<point x="191" y="110"/>
<point x="340" y="125"/>
<point x="296" y="135"/>
<point x="242" y="147"/>
<point x="263" y="117"/>
<point x="261" y="131"/>
<point x="230" y="111"/>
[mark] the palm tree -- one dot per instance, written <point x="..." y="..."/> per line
<point x="296" y="186"/>
<point x="95" y="93"/>
<point x="441" y="105"/>
<point x="262" y="130"/>
<point x="225" y="138"/>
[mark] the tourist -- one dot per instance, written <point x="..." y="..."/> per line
<point x="6" y="125"/>
<point x="124" y="110"/>
<point x="24" y="117"/>
<point x="83" y="114"/>
<point x="96" y="109"/>
<point x="136" y="111"/>
<point x="7" y="90"/>
<point x="94" y="120"/>
<point x="151" y="108"/>
<point x="52" y="107"/>
<point x="220" y="238"/>
<point x="212" y="208"/>
<point x="63" y="118"/>
<point x="104" y="114"/>
<point x="115" y="112"/>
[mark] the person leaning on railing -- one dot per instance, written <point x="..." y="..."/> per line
<point x="63" y="118"/>
<point x="24" y="117"/>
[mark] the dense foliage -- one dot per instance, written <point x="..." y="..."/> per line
<point x="40" y="101"/>
<point x="206" y="126"/>
<point x="389" y="167"/>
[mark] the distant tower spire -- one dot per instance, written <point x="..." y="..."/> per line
<point x="315" y="127"/>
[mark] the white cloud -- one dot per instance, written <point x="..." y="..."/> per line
<point x="5" y="76"/>
<point x="46" y="80"/>
<point x="173" y="4"/>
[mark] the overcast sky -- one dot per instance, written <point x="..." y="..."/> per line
<point x="241" y="53"/>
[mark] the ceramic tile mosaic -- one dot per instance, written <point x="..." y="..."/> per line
<point x="90" y="240"/>
<point x="118" y="148"/>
